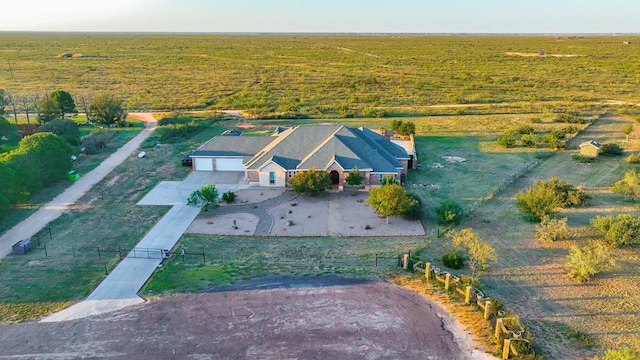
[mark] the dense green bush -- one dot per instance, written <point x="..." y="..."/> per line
<point x="545" y="197"/>
<point x="453" y="260"/>
<point x="404" y="128"/>
<point x="312" y="181"/>
<point x="449" y="213"/>
<point x="506" y="141"/>
<point x="611" y="149"/>
<point x="68" y="129"/>
<point x="618" y="230"/>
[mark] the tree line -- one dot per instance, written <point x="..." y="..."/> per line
<point x="44" y="158"/>
<point x="104" y="108"/>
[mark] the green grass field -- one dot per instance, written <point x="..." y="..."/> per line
<point x="362" y="79"/>
<point x="323" y="76"/>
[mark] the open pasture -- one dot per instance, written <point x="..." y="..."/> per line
<point x="322" y="75"/>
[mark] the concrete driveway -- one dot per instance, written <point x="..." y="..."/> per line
<point x="120" y="288"/>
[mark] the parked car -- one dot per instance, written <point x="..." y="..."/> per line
<point x="187" y="160"/>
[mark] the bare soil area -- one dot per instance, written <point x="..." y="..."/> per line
<point x="304" y="318"/>
<point x="331" y="214"/>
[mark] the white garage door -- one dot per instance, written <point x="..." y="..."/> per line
<point x="203" y="164"/>
<point x="229" y="165"/>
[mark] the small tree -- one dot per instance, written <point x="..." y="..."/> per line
<point x="629" y="185"/>
<point x="390" y="200"/>
<point x="584" y="262"/>
<point x="206" y="196"/>
<point x="48" y="109"/>
<point x="550" y="229"/>
<point x="312" y="182"/>
<point x="107" y="110"/>
<point x="354" y="178"/>
<point x="479" y="253"/>
<point x="620" y="230"/>
<point x="65" y="102"/>
<point x="529" y="140"/>
<point x="3" y="101"/>
<point x="627" y="129"/>
<point x="449" y="213"/>
<point x="404" y="128"/>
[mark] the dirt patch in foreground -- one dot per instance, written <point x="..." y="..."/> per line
<point x="311" y="318"/>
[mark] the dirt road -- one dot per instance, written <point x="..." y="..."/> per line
<point x="305" y="318"/>
<point x="56" y="207"/>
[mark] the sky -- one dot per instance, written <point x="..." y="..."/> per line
<point x="323" y="16"/>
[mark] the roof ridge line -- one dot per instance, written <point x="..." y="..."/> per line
<point x="323" y="143"/>
<point x="283" y="135"/>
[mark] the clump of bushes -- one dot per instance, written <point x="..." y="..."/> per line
<point x="550" y="229"/>
<point x="611" y="149"/>
<point x="66" y="128"/>
<point x="633" y="159"/>
<point x="545" y="197"/>
<point x="622" y="354"/>
<point x="453" y="260"/>
<point x="619" y="230"/>
<point x="524" y="129"/>
<point x="571" y="118"/>
<point x="583" y="159"/>
<point x="449" y="213"/>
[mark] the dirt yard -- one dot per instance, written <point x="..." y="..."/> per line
<point x="273" y="318"/>
<point x="287" y="214"/>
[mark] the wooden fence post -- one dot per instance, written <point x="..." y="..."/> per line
<point x="447" y="281"/>
<point x="405" y="261"/>
<point x="427" y="271"/>
<point x="506" y="349"/>
<point x="498" y="328"/>
<point x="467" y="295"/>
<point x="487" y="310"/>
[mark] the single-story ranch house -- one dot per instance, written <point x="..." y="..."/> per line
<point x="273" y="160"/>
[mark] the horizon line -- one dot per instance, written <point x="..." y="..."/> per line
<point x="324" y="33"/>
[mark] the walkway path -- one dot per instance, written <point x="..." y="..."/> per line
<point x="121" y="286"/>
<point x="56" y="207"/>
<point x="260" y="210"/>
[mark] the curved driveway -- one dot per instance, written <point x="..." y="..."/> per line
<point x="56" y="207"/>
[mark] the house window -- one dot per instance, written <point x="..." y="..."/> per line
<point x="272" y="177"/>
<point x="380" y="178"/>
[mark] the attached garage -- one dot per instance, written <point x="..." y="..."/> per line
<point x="229" y="164"/>
<point x="203" y="164"/>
